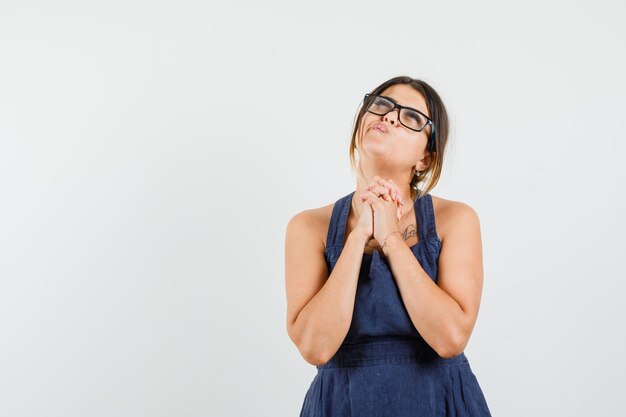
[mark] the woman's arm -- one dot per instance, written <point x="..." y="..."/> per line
<point x="319" y="307"/>
<point x="444" y="313"/>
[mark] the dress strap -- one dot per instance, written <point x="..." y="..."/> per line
<point x="426" y="217"/>
<point x="338" y="221"/>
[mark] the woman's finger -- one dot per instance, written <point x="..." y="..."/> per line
<point x="398" y="191"/>
<point x="371" y="197"/>
<point x="385" y="193"/>
<point x="388" y="185"/>
<point x="368" y="194"/>
<point x="394" y="190"/>
<point x="379" y="190"/>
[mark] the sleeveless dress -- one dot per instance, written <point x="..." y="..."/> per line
<point x="384" y="368"/>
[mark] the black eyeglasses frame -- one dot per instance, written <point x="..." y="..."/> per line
<point x="431" y="139"/>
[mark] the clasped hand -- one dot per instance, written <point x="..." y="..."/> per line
<point x="385" y="204"/>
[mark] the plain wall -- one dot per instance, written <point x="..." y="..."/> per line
<point x="152" y="153"/>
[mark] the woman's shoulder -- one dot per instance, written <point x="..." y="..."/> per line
<point x="316" y="214"/>
<point x="446" y="206"/>
<point x="314" y="220"/>
<point x="448" y="212"/>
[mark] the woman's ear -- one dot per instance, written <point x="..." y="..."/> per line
<point x="425" y="162"/>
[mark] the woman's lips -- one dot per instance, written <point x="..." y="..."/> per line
<point x="380" y="127"/>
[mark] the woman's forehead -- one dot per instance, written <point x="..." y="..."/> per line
<point x="406" y="96"/>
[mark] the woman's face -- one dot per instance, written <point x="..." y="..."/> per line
<point x="399" y="146"/>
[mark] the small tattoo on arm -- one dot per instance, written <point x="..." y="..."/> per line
<point x="410" y="231"/>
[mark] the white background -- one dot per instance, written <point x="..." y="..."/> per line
<point x="152" y="153"/>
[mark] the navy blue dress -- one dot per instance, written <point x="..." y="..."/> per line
<point x="384" y="368"/>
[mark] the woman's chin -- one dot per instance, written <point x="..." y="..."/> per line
<point x="375" y="145"/>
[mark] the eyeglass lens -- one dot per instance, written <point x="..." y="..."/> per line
<point x="409" y="118"/>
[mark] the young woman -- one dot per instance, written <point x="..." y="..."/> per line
<point x="384" y="285"/>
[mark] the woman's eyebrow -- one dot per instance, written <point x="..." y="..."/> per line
<point x="390" y="98"/>
<point x="414" y="108"/>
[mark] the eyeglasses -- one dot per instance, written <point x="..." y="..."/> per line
<point x="409" y="117"/>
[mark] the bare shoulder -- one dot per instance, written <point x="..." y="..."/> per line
<point x="451" y="213"/>
<point x="314" y="222"/>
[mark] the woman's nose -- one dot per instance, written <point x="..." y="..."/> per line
<point x="392" y="116"/>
